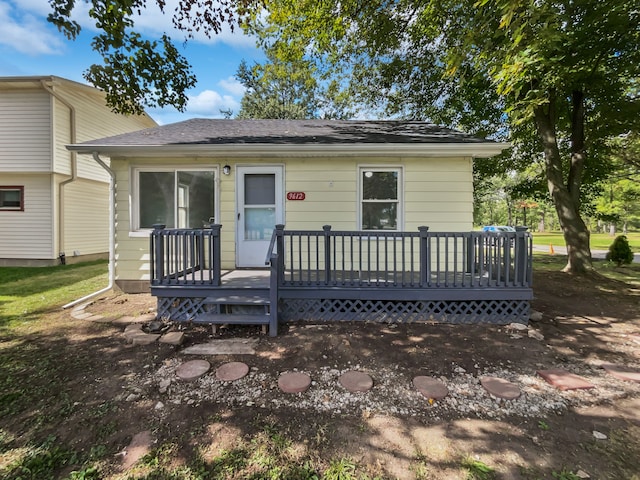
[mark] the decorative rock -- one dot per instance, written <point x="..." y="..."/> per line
<point x="535" y="334"/>
<point x="517" y="326"/>
<point x="599" y="436"/>
<point x="430" y="387"/>
<point x="164" y="385"/>
<point x="623" y="373"/>
<point x="192" y="370"/>
<point x="535" y="316"/>
<point x="232" y="371"/>
<point x="294" y="382"/>
<point x="563" y="380"/>
<point x="501" y="388"/>
<point x="356" y="381"/>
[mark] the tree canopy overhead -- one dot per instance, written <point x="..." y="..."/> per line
<point x="136" y="71"/>
<point x="559" y="77"/>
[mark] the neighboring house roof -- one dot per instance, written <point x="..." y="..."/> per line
<point x="323" y="137"/>
<point x="38" y="81"/>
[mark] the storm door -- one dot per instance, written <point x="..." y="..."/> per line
<point x="260" y="206"/>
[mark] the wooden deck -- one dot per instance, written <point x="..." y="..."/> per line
<point x="332" y="276"/>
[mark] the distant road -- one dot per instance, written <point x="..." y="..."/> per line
<point x="600" y="254"/>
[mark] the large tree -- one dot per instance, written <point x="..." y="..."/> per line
<point x="560" y="72"/>
<point x="289" y="90"/>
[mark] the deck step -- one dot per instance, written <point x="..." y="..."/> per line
<point x="255" y="299"/>
<point x="232" y="319"/>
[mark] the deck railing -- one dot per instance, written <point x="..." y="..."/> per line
<point x="354" y="259"/>
<point x="398" y="260"/>
<point x="185" y="256"/>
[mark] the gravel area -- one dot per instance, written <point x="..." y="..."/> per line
<point x="392" y="394"/>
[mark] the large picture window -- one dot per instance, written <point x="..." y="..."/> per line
<point x="175" y="198"/>
<point x="380" y="193"/>
<point x="12" y="198"/>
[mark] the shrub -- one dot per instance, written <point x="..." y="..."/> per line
<point x="619" y="251"/>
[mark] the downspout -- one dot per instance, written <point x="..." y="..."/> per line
<point x="112" y="230"/>
<point x="74" y="168"/>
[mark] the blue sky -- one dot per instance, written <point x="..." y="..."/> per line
<point x="30" y="46"/>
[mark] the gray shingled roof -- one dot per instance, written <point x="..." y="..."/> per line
<point x="201" y="131"/>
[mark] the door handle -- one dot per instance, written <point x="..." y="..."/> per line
<point x="238" y="215"/>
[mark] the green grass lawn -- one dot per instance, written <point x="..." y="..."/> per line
<point x="599" y="241"/>
<point x="27" y="291"/>
<point x="40" y="391"/>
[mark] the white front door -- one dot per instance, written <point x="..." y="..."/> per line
<point x="260" y="206"/>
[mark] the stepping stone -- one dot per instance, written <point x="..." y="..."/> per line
<point x="81" y="315"/>
<point x="563" y="380"/>
<point x="356" y="381"/>
<point x="140" y="446"/>
<point x="621" y="372"/>
<point x="192" y="370"/>
<point x="172" y="338"/>
<point x="294" y="382"/>
<point x="232" y="371"/>
<point x="430" y="387"/>
<point x="501" y="388"/>
<point x="144" y="339"/>
<point x="230" y="346"/>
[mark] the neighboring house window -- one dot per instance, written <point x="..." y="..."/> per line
<point x="175" y="198"/>
<point x="12" y="198"/>
<point x="380" y="193"/>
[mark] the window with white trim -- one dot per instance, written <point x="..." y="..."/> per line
<point x="177" y="198"/>
<point x="12" y="198"/>
<point x="380" y="193"/>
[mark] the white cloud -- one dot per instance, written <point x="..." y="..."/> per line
<point x="27" y="33"/>
<point x="233" y="86"/>
<point x="209" y="103"/>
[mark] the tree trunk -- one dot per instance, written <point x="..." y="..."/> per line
<point x="566" y="198"/>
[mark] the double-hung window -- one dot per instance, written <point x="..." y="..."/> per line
<point x="176" y="198"/>
<point x="380" y="194"/>
<point x="12" y="198"/>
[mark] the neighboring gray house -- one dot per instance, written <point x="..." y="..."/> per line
<point x="52" y="202"/>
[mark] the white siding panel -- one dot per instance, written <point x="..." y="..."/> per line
<point x="131" y="252"/>
<point x="28" y="234"/>
<point x="93" y="120"/>
<point x="25" y="133"/>
<point x="436" y="192"/>
<point x="86" y="217"/>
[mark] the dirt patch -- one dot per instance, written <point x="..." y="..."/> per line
<point x="112" y="391"/>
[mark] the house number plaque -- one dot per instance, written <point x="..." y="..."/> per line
<point x="296" y="196"/>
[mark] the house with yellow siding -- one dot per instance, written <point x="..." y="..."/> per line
<point x="54" y="205"/>
<point x="209" y="211"/>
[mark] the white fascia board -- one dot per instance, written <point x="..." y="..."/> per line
<point x="479" y="150"/>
